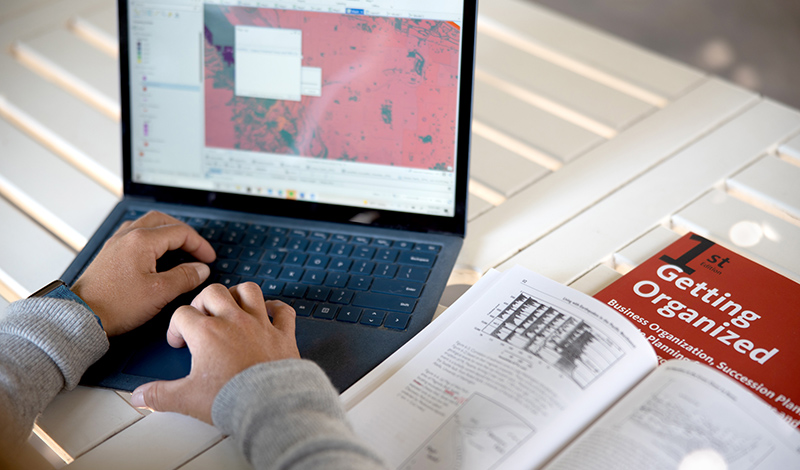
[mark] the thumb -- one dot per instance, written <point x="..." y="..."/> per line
<point x="161" y="395"/>
<point x="183" y="278"/>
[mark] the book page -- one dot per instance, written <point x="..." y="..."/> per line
<point x="685" y="416"/>
<point x="523" y="369"/>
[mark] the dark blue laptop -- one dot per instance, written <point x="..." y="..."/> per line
<point x="321" y="147"/>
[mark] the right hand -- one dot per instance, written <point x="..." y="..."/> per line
<point x="227" y="331"/>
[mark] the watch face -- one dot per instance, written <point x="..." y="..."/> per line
<point x="48" y="288"/>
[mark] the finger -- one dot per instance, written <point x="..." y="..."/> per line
<point x="173" y="237"/>
<point x="154" y="219"/>
<point x="283" y="316"/>
<point x="163" y="395"/>
<point x="180" y="279"/>
<point x="183" y="325"/>
<point x="249" y="296"/>
<point x="215" y="300"/>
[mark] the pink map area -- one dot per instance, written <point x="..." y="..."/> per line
<point x="389" y="89"/>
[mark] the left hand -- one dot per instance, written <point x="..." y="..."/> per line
<point x="122" y="286"/>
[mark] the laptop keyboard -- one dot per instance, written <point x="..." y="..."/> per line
<point x="323" y="274"/>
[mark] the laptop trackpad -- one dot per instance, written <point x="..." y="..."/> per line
<point x="160" y="361"/>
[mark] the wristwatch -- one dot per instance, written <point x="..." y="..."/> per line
<point x="58" y="290"/>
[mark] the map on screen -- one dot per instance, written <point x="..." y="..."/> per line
<point x="366" y="89"/>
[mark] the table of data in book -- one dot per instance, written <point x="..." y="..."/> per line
<point x="589" y="156"/>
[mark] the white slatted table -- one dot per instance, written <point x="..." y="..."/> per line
<point x="589" y="155"/>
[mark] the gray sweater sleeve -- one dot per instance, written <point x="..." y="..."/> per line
<point x="45" y="346"/>
<point x="287" y="415"/>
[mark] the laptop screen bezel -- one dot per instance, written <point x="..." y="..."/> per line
<point x="455" y="225"/>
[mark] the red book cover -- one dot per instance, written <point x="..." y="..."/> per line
<point x="697" y="300"/>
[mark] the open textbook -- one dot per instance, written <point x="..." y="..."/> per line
<point x="523" y="372"/>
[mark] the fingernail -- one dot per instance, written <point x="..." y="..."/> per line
<point x="202" y="270"/>
<point x="137" y="398"/>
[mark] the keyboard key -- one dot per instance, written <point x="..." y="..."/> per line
<point x="413" y="274"/>
<point x="340" y="237"/>
<point x="340" y="264"/>
<point x="303" y="308"/>
<point x="291" y="273"/>
<point x="397" y="321"/>
<point x="225" y="265"/>
<point x="229" y="251"/>
<point x="326" y="311"/>
<point x="272" y="288"/>
<point x="320" y="294"/>
<point x="403" y="245"/>
<point x="295" y="291"/>
<point x="254" y="240"/>
<point x="360" y="283"/>
<point x="228" y="280"/>
<point x="298" y="233"/>
<point x="349" y="314"/>
<point x="416" y="258"/>
<point x="319" y="247"/>
<point x="337" y="279"/>
<point x="297" y="244"/>
<point x="388" y="255"/>
<point x="233" y="237"/>
<point x="364" y="252"/>
<point x="362" y="267"/>
<point x="257" y="228"/>
<point x="382" y="242"/>
<point x="218" y="224"/>
<point x="247" y="269"/>
<point x="427" y="248"/>
<point x="211" y="233"/>
<point x="319" y="236"/>
<point x="197" y="222"/>
<point x="385" y="270"/>
<point x="372" y="317"/>
<point x="384" y="302"/>
<point x="278" y="231"/>
<point x="269" y="271"/>
<point x="318" y="261"/>
<point x="341" y="296"/>
<point x="296" y="259"/>
<point x="251" y="254"/>
<point x="273" y="256"/>
<point x="360" y="240"/>
<point x="397" y="287"/>
<point x="341" y="249"/>
<point x="275" y="241"/>
<point x="238" y="226"/>
<point x="314" y="276"/>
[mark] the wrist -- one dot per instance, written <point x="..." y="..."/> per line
<point x="59" y="290"/>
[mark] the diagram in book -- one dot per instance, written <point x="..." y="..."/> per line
<point x="554" y="336"/>
<point x="478" y="436"/>
<point x="677" y="421"/>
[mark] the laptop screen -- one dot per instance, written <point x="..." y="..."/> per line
<point x="350" y="103"/>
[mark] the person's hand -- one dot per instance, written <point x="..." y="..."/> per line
<point x="122" y="286"/>
<point x="227" y="331"/>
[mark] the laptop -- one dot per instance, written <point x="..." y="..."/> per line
<point x="321" y="146"/>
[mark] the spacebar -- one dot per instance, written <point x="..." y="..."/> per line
<point x="384" y="302"/>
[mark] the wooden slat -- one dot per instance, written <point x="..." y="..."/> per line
<point x="76" y="122"/>
<point x="743" y="228"/>
<point x="593" y="100"/>
<point x="770" y="183"/>
<point x="640" y="205"/>
<point x="574" y="46"/>
<point x="79" y="58"/>
<point x="84" y="205"/>
<point x="537" y="210"/>
<point x="160" y="441"/>
<point x="533" y="126"/>
<point x="84" y="417"/>
<point x="791" y="149"/>
<point x="24" y="242"/>
<point x="501" y="169"/>
<point x="595" y="280"/>
<point x="643" y="248"/>
<point x="223" y="455"/>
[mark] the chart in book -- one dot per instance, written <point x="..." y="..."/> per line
<point x="478" y="436"/>
<point x="557" y="337"/>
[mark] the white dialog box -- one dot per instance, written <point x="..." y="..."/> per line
<point x="268" y="63"/>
